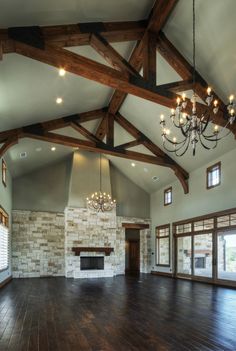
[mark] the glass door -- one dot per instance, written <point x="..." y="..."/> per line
<point x="184" y="255"/>
<point x="226" y="255"/>
<point x="195" y="255"/>
<point x="203" y="255"/>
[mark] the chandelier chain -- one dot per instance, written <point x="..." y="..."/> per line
<point x="100" y="172"/>
<point x="194" y="48"/>
<point x="100" y="201"/>
<point x="193" y="125"/>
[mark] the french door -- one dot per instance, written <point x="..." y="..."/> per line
<point x="205" y="249"/>
<point x="195" y="255"/>
<point x="226" y="255"/>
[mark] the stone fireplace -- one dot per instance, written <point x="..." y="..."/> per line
<point x="44" y="243"/>
<point x="88" y="230"/>
<point x="91" y="231"/>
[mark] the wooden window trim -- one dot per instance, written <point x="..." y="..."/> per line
<point x="208" y="170"/>
<point x="215" y="231"/>
<point x="165" y="191"/>
<point x="5" y="214"/>
<point x="158" y="237"/>
<point x="4" y="171"/>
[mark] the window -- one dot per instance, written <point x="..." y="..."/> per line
<point x="163" y="245"/>
<point x="4" y="173"/>
<point x="4" y="240"/>
<point x="205" y="247"/>
<point x="168" y="196"/>
<point x="213" y="175"/>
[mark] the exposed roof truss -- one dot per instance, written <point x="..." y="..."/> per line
<point x="47" y="45"/>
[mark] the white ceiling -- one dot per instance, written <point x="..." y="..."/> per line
<point x="215" y="40"/>
<point x="28" y="89"/>
<point x="51" y="12"/>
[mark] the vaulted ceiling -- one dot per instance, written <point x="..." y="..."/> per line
<point x="28" y="88"/>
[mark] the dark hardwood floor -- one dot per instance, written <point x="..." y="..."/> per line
<point x="124" y="313"/>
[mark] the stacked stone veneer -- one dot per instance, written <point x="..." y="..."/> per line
<point x="85" y="228"/>
<point x="42" y="243"/>
<point x="38" y="240"/>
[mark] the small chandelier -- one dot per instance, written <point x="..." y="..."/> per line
<point x="193" y="126"/>
<point x="100" y="201"/>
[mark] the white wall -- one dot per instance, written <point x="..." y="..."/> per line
<point x="6" y="203"/>
<point x="199" y="201"/>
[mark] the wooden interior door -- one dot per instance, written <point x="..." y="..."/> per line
<point x="134" y="260"/>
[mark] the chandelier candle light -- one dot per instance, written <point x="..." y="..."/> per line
<point x="100" y="201"/>
<point x="193" y="127"/>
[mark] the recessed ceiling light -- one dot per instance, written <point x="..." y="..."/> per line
<point x="75" y="148"/>
<point x="38" y="149"/>
<point x="133" y="164"/>
<point x="53" y="148"/>
<point x="62" y="72"/>
<point x="59" y="100"/>
<point x="155" y="178"/>
<point x="23" y="154"/>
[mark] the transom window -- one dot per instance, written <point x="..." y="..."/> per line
<point x="168" y="196"/>
<point x="213" y="175"/>
<point x="205" y="247"/>
<point x="4" y="240"/>
<point x="4" y="173"/>
<point x="163" y="245"/>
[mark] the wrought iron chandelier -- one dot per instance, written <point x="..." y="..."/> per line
<point x="193" y="126"/>
<point x="100" y="201"/>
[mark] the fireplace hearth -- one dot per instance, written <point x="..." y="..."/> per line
<point x="91" y="262"/>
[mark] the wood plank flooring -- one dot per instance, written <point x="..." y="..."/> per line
<point x="121" y="313"/>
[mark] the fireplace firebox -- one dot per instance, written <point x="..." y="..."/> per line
<point x="91" y="262"/>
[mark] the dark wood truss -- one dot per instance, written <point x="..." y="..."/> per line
<point x="47" y="45"/>
<point x="46" y="131"/>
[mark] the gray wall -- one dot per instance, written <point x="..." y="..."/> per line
<point x="6" y="203"/>
<point x="45" y="189"/>
<point x="199" y="201"/>
<point x="70" y="181"/>
<point x="132" y="201"/>
<point x="85" y="177"/>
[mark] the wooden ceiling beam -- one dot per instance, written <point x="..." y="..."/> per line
<point x="43" y="131"/>
<point x="157" y="19"/>
<point x="95" y="71"/>
<point x="110" y="129"/>
<point x="177" y="87"/>
<point x="177" y="61"/>
<point x="79" y="34"/>
<point x="119" y="96"/>
<point x="83" y="131"/>
<point x="92" y="146"/>
<point x="181" y="174"/>
<point x="7" y="145"/>
<point x="130" y="144"/>
<point x="102" y="129"/>
<point x="104" y="49"/>
<point x="1" y="50"/>
<point x="149" y="58"/>
<point x="55" y="123"/>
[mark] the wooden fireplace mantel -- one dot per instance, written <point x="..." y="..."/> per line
<point x="78" y="250"/>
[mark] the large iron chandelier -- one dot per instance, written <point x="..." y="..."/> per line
<point x="193" y="126"/>
<point x="100" y="201"/>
